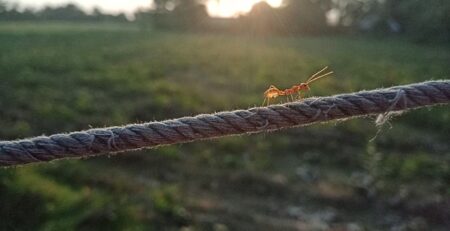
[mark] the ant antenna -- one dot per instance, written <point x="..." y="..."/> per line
<point x="316" y="74"/>
<point x="319" y="77"/>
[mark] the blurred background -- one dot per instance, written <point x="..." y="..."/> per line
<point x="67" y="66"/>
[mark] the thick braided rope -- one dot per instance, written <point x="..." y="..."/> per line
<point x="254" y="120"/>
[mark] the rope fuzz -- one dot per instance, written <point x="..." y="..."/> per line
<point x="187" y="129"/>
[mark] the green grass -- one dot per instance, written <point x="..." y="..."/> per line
<point x="64" y="77"/>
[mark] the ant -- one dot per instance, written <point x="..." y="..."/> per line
<point x="274" y="92"/>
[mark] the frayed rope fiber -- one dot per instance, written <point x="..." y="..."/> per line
<point x="147" y="135"/>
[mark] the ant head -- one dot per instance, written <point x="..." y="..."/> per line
<point x="304" y="86"/>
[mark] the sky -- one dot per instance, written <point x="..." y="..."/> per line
<point x="222" y="8"/>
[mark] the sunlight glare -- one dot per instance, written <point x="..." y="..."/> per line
<point x="233" y="8"/>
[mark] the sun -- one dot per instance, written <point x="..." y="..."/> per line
<point x="233" y="8"/>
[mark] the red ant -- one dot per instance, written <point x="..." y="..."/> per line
<point x="274" y="92"/>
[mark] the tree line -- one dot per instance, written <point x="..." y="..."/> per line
<point x="421" y="20"/>
<point x="68" y="12"/>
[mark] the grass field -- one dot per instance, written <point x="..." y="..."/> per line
<point x="65" y="77"/>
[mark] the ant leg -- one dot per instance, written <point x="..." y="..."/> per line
<point x="292" y="98"/>
<point x="265" y="99"/>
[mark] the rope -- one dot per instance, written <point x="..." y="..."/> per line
<point x="154" y="134"/>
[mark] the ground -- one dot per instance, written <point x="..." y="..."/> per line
<point x="59" y="77"/>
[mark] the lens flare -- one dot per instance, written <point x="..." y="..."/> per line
<point x="232" y="8"/>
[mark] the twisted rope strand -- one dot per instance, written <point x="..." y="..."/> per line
<point x="136" y="136"/>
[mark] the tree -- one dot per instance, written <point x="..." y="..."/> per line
<point x="68" y="12"/>
<point x="162" y="5"/>
<point x="305" y="16"/>
<point x="424" y="20"/>
<point x="262" y="19"/>
<point x="2" y="7"/>
<point x="190" y="14"/>
<point x="168" y="5"/>
<point x="180" y="14"/>
<point x="421" y="20"/>
<point x="10" y="12"/>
